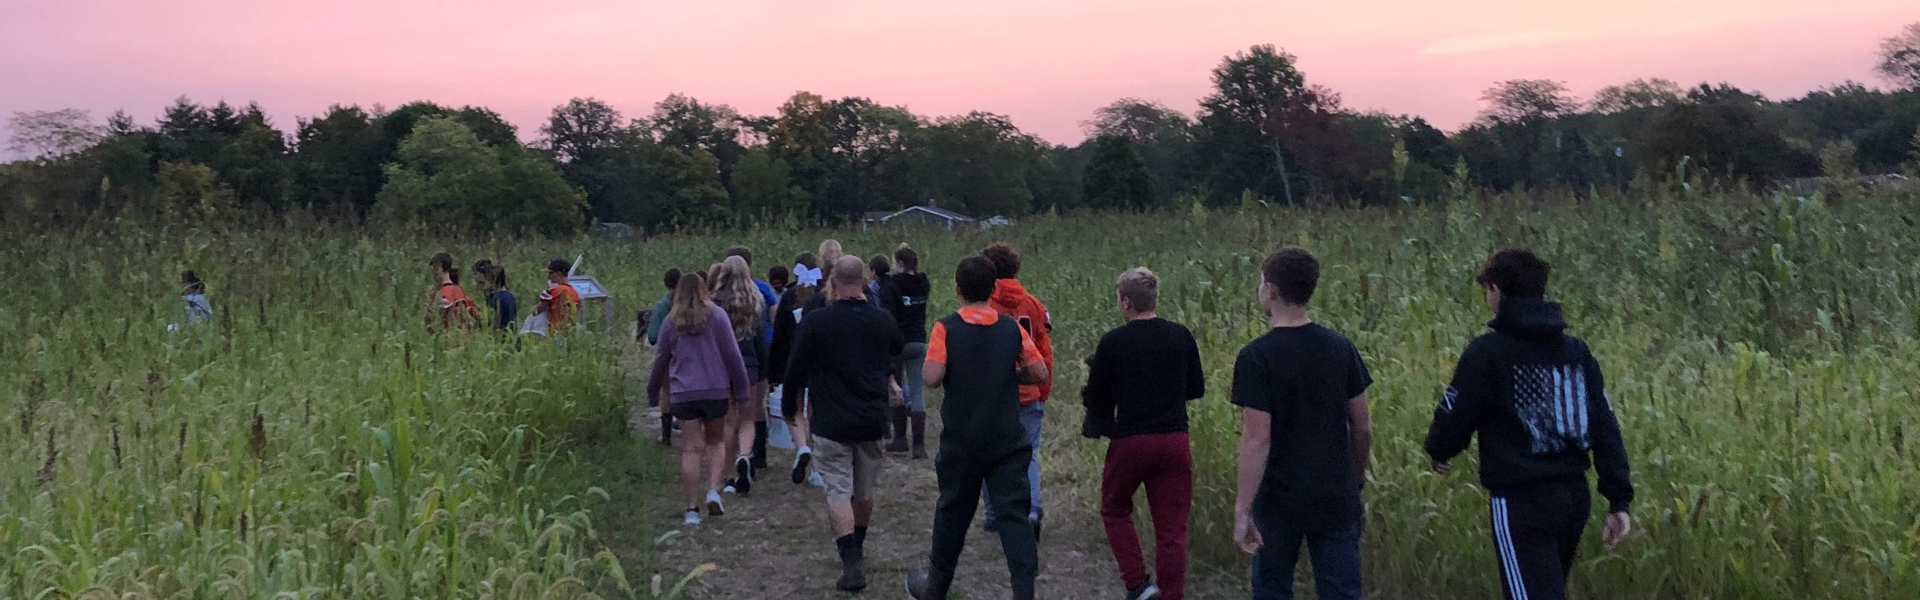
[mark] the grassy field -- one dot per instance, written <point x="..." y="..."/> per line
<point x="313" y="440"/>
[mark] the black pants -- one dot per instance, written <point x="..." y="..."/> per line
<point x="961" y="476"/>
<point x="1536" y="531"/>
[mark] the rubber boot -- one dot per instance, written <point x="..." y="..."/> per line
<point x="899" y="443"/>
<point x="927" y="584"/>
<point x="759" y="460"/>
<point x="853" y="577"/>
<point x="919" y="435"/>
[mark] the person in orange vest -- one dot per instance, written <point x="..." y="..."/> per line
<point x="456" y="310"/>
<point x="1011" y="299"/>
<point x="560" y="302"/>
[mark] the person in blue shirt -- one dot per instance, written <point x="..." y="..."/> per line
<point x="500" y="300"/>
<point x="760" y="388"/>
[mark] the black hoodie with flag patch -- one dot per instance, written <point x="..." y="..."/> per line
<point x="1538" y="401"/>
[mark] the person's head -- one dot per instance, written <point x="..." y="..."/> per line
<point x="190" y="283"/>
<point x="1006" y="262"/>
<point x="1138" y="290"/>
<point x="713" y="276"/>
<point x="974" y="278"/>
<point x="557" y="270"/>
<point x="690" y="300"/>
<point x="671" y="279"/>
<point x="777" y="277"/>
<point x="442" y="266"/>
<point x="829" y="254"/>
<point x="1288" y="278"/>
<point x="849" y="277"/>
<point x="735" y="292"/>
<point x="802" y="290"/>
<point x="907" y="259"/>
<point x="742" y="252"/>
<point x="1513" y="273"/>
<point x="880" y="266"/>
<point x="492" y="275"/>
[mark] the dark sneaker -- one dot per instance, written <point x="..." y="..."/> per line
<point x="1146" y="591"/>
<point x="743" y="476"/>
<point x="917" y="582"/>
<point x="800" y="465"/>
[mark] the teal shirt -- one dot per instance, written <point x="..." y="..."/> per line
<point x="658" y="318"/>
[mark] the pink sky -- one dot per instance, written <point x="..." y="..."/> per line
<point x="1047" y="64"/>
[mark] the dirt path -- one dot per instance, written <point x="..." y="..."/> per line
<point x="776" y="543"/>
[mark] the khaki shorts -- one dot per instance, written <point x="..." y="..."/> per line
<point x="848" y="470"/>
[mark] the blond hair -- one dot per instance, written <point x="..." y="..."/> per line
<point x="734" y="292"/>
<point x="1140" y="287"/>
<point x="829" y="253"/>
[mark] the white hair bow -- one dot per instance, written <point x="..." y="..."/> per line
<point x="807" y="277"/>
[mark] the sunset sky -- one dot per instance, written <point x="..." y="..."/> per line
<point x="1047" y="64"/>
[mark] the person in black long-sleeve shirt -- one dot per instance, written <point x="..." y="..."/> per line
<point x="1537" y="399"/>
<point x="905" y="295"/>
<point x="1138" y="384"/>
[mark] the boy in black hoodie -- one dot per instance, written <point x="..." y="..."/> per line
<point x="1538" y="401"/>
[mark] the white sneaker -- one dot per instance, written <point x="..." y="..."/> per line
<point x="728" y="489"/>
<point x="714" y="507"/>
<point x="693" y="516"/>
<point x="815" y="480"/>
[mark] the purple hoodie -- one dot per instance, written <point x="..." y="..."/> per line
<point x="702" y="367"/>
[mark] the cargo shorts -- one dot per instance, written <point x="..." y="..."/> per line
<point x="848" y="470"/>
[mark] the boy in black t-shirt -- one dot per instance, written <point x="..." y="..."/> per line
<point x="1303" y="451"/>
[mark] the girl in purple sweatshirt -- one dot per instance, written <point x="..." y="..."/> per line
<point x="698" y="364"/>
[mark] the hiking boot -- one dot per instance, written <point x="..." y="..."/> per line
<point x="899" y="442"/>
<point x="714" y="507"/>
<point x="693" y="516"/>
<point x="743" y="475"/>
<point x="853" y="576"/>
<point x="801" y="462"/>
<point x="917" y="583"/>
<point x="919" y="420"/>
<point x="1144" y="591"/>
<point x="759" y="446"/>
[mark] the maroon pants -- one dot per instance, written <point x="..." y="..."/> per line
<point x="1164" y="463"/>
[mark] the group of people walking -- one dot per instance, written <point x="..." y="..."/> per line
<point x="848" y="344"/>
<point x="450" y="309"/>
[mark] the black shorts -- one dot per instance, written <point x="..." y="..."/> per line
<point x="700" y="410"/>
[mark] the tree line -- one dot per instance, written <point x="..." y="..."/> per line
<point x="1264" y="134"/>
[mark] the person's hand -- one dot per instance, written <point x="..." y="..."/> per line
<point x="1245" y="535"/>
<point x="1443" y="467"/>
<point x="894" y="394"/>
<point x="1618" y="526"/>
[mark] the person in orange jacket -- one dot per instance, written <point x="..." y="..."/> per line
<point x="1012" y="299"/>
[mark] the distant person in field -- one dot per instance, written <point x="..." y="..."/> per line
<point x="1139" y="381"/>
<point x="879" y="269"/>
<point x="455" y="311"/>
<point x="905" y="296"/>
<point x="500" y="300"/>
<point x="843" y="357"/>
<point x="657" y="321"/>
<point x="1012" y="299"/>
<point x="1305" y="440"/>
<point x="808" y="279"/>
<point x="196" y="309"/>
<point x="746" y="309"/>
<point x="699" y="375"/>
<point x="769" y="298"/>
<point x="982" y="358"/>
<point x="560" y="302"/>
<point x="1537" y="399"/>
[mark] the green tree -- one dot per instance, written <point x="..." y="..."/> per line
<point x="691" y="183"/>
<point x="596" y="151"/>
<point x="446" y="176"/>
<point x="1241" y="131"/>
<point x="978" y="162"/>
<point x="52" y="134"/>
<point x="337" y="158"/>
<point x="1639" y="94"/>
<point x="1900" y="58"/>
<point x="1116" y="177"/>
<point x="686" y="123"/>
<point x="763" y="187"/>
<point x="1163" y="137"/>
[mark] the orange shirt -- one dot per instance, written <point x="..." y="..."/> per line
<point x="937" y="341"/>
<point x="456" y="309"/>
<point x="561" y="301"/>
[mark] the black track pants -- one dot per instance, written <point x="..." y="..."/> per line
<point x="1536" y="531"/>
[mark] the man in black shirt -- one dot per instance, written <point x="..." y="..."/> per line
<point x="844" y="355"/>
<point x="1538" y="401"/>
<point x="1303" y="452"/>
<point x="1138" y="384"/>
<point x="983" y="443"/>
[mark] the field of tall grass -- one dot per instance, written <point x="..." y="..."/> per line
<point x="313" y="440"/>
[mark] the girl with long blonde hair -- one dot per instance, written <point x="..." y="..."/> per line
<point x="735" y="293"/>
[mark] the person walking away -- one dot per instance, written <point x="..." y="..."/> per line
<point x="734" y="292"/>
<point x="905" y="295"/>
<point x="829" y="253"/>
<point x="560" y="303"/>
<point x="456" y="311"/>
<point x="500" y="299"/>
<point x="844" y="355"/>
<point x="656" y="321"/>
<point x="770" y="297"/>
<point x="1012" y="299"/>
<point x="879" y="269"/>
<point x="1537" y="400"/>
<point x="1140" y="379"/>
<point x="981" y="357"/>
<point x="777" y="278"/>
<point x="786" y="322"/>
<point x="1305" y="440"/>
<point x="698" y="374"/>
<point x="196" y="309"/>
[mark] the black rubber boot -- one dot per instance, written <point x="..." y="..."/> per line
<point x="925" y="584"/>
<point x="919" y="435"/>
<point x="853" y="577"/>
<point x="899" y="443"/>
<point x="759" y="460"/>
<point x="666" y="429"/>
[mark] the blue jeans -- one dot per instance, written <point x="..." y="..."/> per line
<point x="1336" y="563"/>
<point x="1030" y="417"/>
<point x="912" y="389"/>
